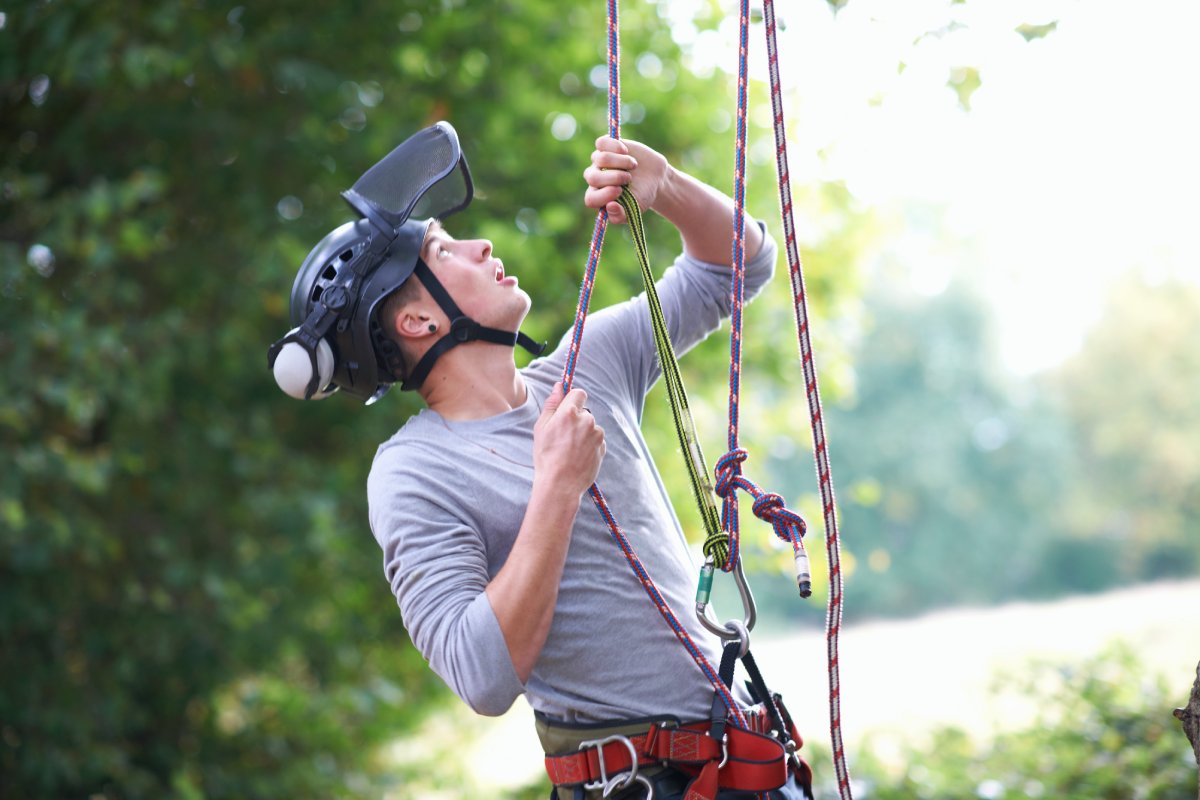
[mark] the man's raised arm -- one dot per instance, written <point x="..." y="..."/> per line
<point x="703" y="215"/>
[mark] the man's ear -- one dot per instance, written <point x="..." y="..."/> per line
<point x="415" y="323"/>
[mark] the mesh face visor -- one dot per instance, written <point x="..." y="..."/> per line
<point x="426" y="176"/>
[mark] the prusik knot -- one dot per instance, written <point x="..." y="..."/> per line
<point x="788" y="525"/>
<point x="728" y="472"/>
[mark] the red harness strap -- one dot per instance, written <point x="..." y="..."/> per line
<point x="747" y="761"/>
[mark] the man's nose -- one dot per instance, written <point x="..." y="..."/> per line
<point x="484" y="249"/>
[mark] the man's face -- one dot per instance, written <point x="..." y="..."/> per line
<point x="475" y="279"/>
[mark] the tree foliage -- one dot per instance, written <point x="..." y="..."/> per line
<point x="933" y="445"/>
<point x="1129" y="396"/>
<point x="1102" y="731"/>
<point x="190" y="603"/>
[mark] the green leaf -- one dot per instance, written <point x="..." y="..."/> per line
<point x="964" y="81"/>
<point x="1029" y="31"/>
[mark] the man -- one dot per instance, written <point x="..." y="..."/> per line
<point x="507" y="578"/>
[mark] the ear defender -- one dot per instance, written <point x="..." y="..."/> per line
<point x="336" y="295"/>
<point x="293" y="368"/>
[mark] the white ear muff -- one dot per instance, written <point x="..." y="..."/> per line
<point x="293" y="369"/>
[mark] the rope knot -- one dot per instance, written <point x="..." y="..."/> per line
<point x="717" y="548"/>
<point x="768" y="505"/>
<point x="728" y="470"/>
<point x="789" y="526"/>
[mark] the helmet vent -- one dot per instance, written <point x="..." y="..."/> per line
<point x="329" y="273"/>
<point x="346" y="255"/>
<point x="316" y="292"/>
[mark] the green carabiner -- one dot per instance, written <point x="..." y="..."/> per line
<point x="704" y="592"/>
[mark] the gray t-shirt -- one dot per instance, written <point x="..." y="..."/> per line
<point x="447" y="499"/>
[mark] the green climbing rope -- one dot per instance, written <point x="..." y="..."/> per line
<point x="716" y="542"/>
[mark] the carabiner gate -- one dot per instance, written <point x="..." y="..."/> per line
<point x="704" y="591"/>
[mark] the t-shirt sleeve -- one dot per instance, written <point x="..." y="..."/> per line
<point x="437" y="568"/>
<point x="618" y="342"/>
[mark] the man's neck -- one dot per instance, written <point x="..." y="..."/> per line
<point x="474" y="381"/>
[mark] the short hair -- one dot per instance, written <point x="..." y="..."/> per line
<point x="389" y="310"/>
<point x="391" y="306"/>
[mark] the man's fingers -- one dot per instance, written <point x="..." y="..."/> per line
<point x="574" y="400"/>
<point x="597" y="177"/>
<point x="603" y="160"/>
<point x="609" y="144"/>
<point x="599" y="198"/>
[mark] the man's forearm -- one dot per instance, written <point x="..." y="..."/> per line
<point x="525" y="590"/>
<point x="704" y="217"/>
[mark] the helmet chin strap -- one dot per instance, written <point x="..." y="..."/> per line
<point x="463" y="329"/>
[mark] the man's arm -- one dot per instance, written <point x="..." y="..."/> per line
<point x="702" y="214"/>
<point x="568" y="447"/>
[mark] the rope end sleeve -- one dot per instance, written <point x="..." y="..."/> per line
<point x="803" y="573"/>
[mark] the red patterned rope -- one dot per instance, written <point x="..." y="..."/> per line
<point x="833" y="617"/>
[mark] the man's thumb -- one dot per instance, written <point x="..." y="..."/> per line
<point x="553" y="401"/>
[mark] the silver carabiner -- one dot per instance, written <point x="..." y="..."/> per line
<point x="624" y="781"/>
<point x="704" y="590"/>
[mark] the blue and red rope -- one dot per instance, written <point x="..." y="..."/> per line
<point x="768" y="506"/>
<point x="581" y="311"/>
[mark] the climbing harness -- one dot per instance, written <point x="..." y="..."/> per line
<point x="702" y="756"/>
<point x="711" y="743"/>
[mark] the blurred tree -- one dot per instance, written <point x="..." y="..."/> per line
<point x="190" y="603"/>
<point x="948" y="473"/>
<point x="1130" y="394"/>
<point x="1102" y="731"/>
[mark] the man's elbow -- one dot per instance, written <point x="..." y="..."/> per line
<point x="489" y="699"/>
<point x="760" y="267"/>
<point x="489" y="689"/>
<point x="490" y="704"/>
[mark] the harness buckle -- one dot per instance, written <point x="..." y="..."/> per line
<point x="619" y="781"/>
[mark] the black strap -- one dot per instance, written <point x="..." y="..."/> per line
<point x="463" y="329"/>
<point x="765" y="696"/>
<point x="720" y="714"/>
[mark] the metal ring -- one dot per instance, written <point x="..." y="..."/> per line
<point x="740" y="632"/>
<point x="623" y="782"/>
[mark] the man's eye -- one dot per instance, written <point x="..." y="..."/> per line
<point x="443" y="252"/>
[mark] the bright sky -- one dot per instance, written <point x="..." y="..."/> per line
<point x="1077" y="162"/>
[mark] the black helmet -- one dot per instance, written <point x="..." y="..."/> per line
<point x="336" y="340"/>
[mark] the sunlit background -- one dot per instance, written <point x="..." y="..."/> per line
<point x="997" y="209"/>
<point x="1043" y="152"/>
